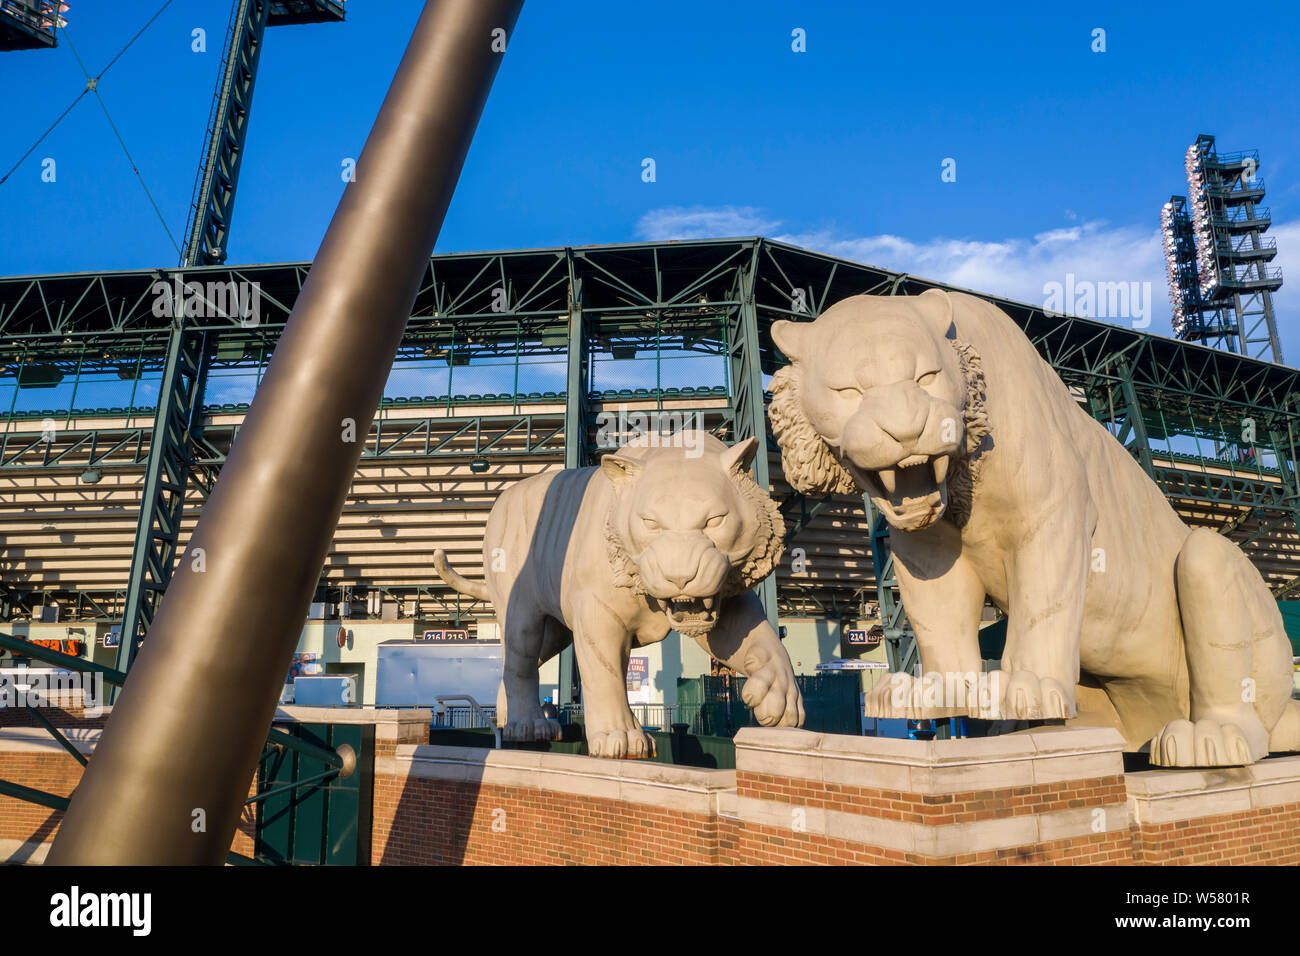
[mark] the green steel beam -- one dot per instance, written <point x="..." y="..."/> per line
<point x="29" y="795"/>
<point x="328" y="757"/>
<point x="162" y="502"/>
<point x="750" y="414"/>
<point x="214" y="188"/>
<point x="238" y="859"/>
<point x="807" y="509"/>
<point x="16" y="645"/>
<point x="575" y="411"/>
<point x="290" y="787"/>
<point x="575" y="442"/>
<point x="1281" y="447"/>
<point x="57" y="734"/>
<point x="900" y="645"/>
<point x="181" y="391"/>
<point x="1133" y="414"/>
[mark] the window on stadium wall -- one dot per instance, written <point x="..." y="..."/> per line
<point x="1175" y="430"/>
<point x="659" y="367"/>
<point x="60" y="389"/>
<point x="503" y="372"/>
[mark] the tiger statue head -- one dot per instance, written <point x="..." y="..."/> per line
<point x="689" y="530"/>
<point x="883" y="398"/>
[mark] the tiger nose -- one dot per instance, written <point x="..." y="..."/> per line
<point x="900" y="413"/>
<point x="679" y="580"/>
<point x="689" y="548"/>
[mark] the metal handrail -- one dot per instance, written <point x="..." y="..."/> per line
<point x="479" y="712"/>
<point x="288" y="787"/>
<point x="330" y="758"/>
<point x="18" y="645"/>
<point x="28" y="795"/>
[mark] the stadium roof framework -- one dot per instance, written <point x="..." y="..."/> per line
<point x="518" y="361"/>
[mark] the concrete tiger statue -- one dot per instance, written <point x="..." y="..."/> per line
<point x="613" y="557"/>
<point x="996" y="483"/>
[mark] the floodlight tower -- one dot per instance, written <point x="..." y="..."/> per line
<point x="1184" y="282"/>
<point x="30" y="24"/>
<point x="1220" y="284"/>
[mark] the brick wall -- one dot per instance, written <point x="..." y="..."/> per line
<point x="452" y="805"/>
<point x="454" y="823"/>
<point x="1240" y="815"/>
<point x="1054" y="797"/>
<point x="62" y="709"/>
<point x="32" y="758"/>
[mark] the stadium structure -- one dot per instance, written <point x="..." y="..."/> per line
<point x="123" y="392"/>
<point x="123" y="400"/>
<point x="1220" y="282"/>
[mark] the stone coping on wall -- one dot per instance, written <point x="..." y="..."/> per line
<point x="37" y="740"/>
<point x="23" y="852"/>
<point x="684" y="789"/>
<point x="402" y="716"/>
<point x="1045" y="755"/>
<point x="393" y="726"/>
<point x="1165" y="796"/>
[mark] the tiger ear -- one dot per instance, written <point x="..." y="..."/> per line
<point x="788" y="337"/>
<point x="936" y="306"/>
<point x="736" y="459"/>
<point x="619" y="468"/>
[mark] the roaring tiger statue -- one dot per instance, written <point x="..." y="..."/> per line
<point x="665" y="536"/>
<point x="996" y="484"/>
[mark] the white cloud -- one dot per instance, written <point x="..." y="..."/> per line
<point x="1287" y="300"/>
<point x="1017" y="268"/>
<point x="702" y="222"/>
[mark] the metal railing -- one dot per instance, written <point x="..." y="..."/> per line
<point x="480" y="714"/>
<point x="659" y="716"/>
<point x="40" y="15"/>
<point x="1236" y="215"/>
<point x="339" y="763"/>
<point x="655" y="716"/>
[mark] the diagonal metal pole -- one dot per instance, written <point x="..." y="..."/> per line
<point x="170" y="775"/>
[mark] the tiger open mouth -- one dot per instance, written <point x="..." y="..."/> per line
<point x="689" y="615"/>
<point x="912" y="493"/>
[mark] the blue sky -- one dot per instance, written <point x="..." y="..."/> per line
<point x="1063" y="155"/>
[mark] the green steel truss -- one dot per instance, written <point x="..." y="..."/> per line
<point x="1180" y="408"/>
<point x="177" y="423"/>
<point x="218" y="176"/>
<point x="187" y="356"/>
<point x="745" y="368"/>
